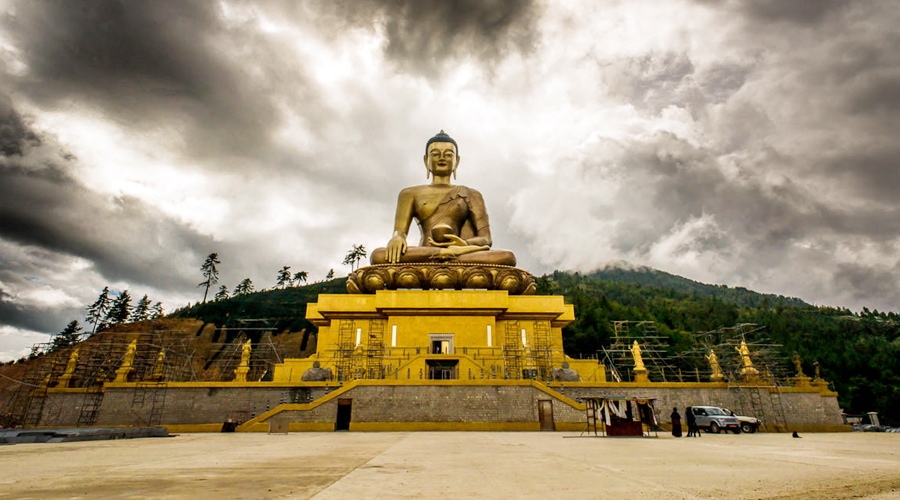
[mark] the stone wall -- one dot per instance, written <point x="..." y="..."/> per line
<point x="61" y="409"/>
<point x="510" y="405"/>
<point x="801" y="408"/>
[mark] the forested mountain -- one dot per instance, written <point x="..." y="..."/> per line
<point x="660" y="279"/>
<point x="859" y="353"/>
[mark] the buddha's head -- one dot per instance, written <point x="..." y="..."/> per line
<point x="441" y="155"/>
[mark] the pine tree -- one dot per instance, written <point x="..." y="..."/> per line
<point x="244" y="287"/>
<point x="222" y="294"/>
<point x="330" y="274"/>
<point x="357" y="253"/>
<point x="284" y="277"/>
<point x="97" y="311"/>
<point x="156" y="311"/>
<point x="120" y="309"/>
<point x="68" y="337"/>
<point x="210" y="272"/>
<point x="141" y="311"/>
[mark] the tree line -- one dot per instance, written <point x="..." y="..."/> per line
<point x="103" y="313"/>
<point x="284" y="278"/>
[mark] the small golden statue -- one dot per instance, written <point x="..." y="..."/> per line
<point x="748" y="372"/>
<point x="160" y="365"/>
<point x="717" y="375"/>
<point x="640" y="371"/>
<point x="123" y="373"/>
<point x="245" y="353"/>
<point x="65" y="380"/>
<point x="744" y="351"/>
<point x="636" y="354"/>
<point x="818" y="381"/>
<point x="129" y="354"/>
<point x="798" y="364"/>
<point x="72" y="363"/>
<point x="240" y="373"/>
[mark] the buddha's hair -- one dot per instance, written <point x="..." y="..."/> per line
<point x="442" y="137"/>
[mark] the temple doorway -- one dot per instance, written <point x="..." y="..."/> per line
<point x="343" y="414"/>
<point x="442" y="369"/>
<point x="545" y="414"/>
<point x="441" y="343"/>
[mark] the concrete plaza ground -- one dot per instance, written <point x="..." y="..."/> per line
<point x="457" y="465"/>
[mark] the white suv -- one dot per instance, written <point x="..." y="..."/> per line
<point x="748" y="424"/>
<point x="713" y="419"/>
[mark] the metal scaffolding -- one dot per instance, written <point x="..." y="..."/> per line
<point x="654" y="351"/>
<point x="767" y="357"/>
<point x="159" y="357"/>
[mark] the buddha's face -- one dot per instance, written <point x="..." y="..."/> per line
<point x="441" y="159"/>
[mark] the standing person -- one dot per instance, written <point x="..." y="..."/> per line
<point x="691" y="422"/>
<point x="676" y="422"/>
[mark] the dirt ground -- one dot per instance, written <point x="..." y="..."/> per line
<point x="458" y="465"/>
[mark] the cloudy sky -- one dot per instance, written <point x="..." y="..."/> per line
<point x="743" y="143"/>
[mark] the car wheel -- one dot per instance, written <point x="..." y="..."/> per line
<point x="748" y="427"/>
<point x="714" y="428"/>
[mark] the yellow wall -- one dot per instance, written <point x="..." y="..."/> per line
<point x="480" y="322"/>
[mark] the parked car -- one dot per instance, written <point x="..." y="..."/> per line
<point x="713" y="419"/>
<point x="748" y="424"/>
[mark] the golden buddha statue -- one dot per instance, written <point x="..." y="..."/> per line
<point x="455" y="249"/>
<point x="453" y="220"/>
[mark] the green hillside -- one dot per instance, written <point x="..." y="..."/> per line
<point x="283" y="308"/>
<point x="858" y="352"/>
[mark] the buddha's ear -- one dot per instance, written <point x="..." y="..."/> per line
<point x="455" y="167"/>
<point x="427" y="170"/>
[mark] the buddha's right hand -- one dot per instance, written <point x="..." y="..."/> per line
<point x="452" y="241"/>
<point x="395" y="248"/>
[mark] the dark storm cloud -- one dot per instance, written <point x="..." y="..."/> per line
<point x="678" y="181"/>
<point x="873" y="284"/>
<point x="73" y="42"/>
<point x="148" y="64"/>
<point x="36" y="318"/>
<point x="14" y="133"/>
<point x="124" y="239"/>
<point x="208" y="70"/>
<point x="423" y="35"/>
<point x="874" y="175"/>
<point x="801" y="12"/>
